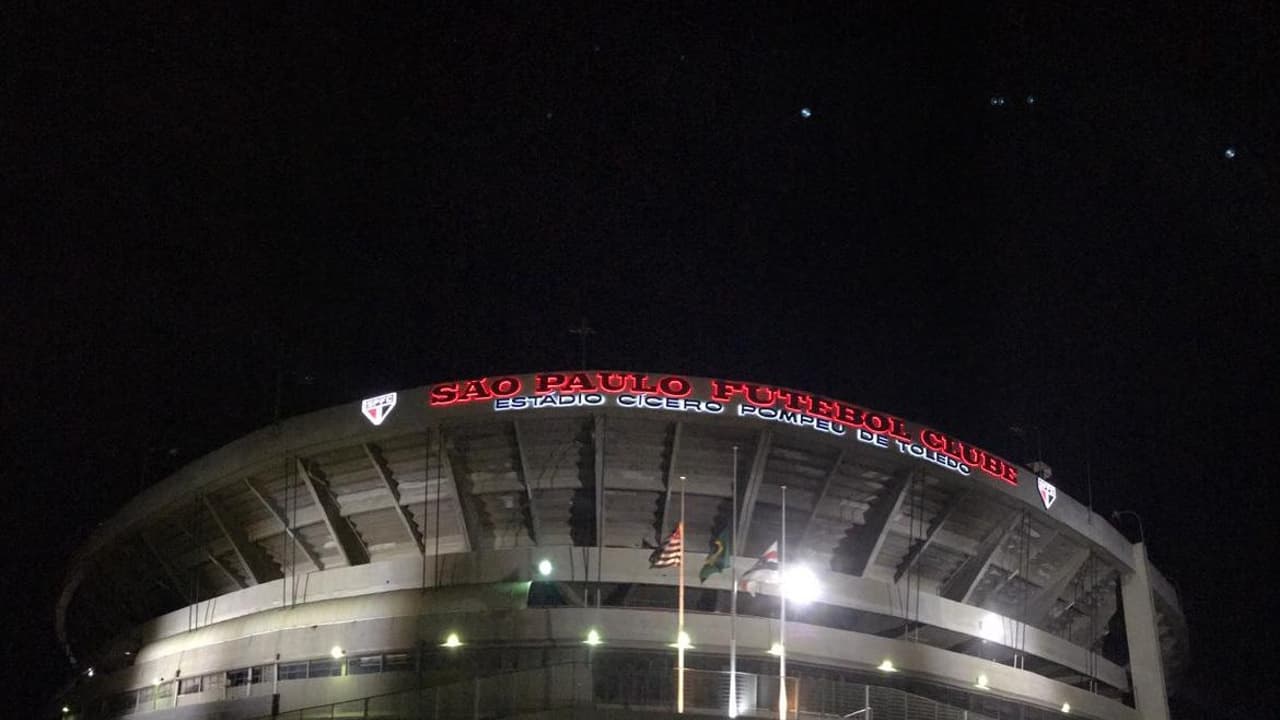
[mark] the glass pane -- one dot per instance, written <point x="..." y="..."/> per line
<point x="293" y="670"/>
<point x="364" y="665"/>
<point x="396" y="662"/>
<point x="325" y="668"/>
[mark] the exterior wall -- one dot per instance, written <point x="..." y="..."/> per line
<point x="390" y="611"/>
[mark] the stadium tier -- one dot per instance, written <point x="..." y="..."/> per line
<point x="503" y="547"/>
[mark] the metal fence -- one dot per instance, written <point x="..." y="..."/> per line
<point x="574" y="686"/>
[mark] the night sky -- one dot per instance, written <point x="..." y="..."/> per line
<point x="1059" y="219"/>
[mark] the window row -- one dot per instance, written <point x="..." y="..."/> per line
<point x="162" y="694"/>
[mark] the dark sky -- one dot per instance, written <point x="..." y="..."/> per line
<point x="200" y="199"/>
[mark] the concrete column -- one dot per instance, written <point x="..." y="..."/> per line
<point x="1143" y="635"/>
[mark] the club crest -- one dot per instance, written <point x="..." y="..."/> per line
<point x="376" y="409"/>
<point x="1048" y="493"/>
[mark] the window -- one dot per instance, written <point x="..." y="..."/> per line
<point x="191" y="686"/>
<point x="364" y="665"/>
<point x="164" y="690"/>
<point x="237" y="678"/>
<point x="397" y="662"/>
<point x="146" y="696"/>
<point x="256" y="674"/>
<point x="293" y="670"/>
<point x="325" y="668"/>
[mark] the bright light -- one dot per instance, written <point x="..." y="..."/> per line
<point x="1229" y="153"/>
<point x="806" y="112"/>
<point x="990" y="627"/>
<point x="682" y="641"/>
<point x="593" y="638"/>
<point x="65" y="709"/>
<point x="89" y="672"/>
<point x="801" y="584"/>
<point x="887" y="666"/>
<point x="451" y="641"/>
<point x="1066" y="707"/>
<point x="776" y="649"/>
<point x="544" y="568"/>
<point x="982" y="683"/>
<point x="336" y="652"/>
<point x="157" y="681"/>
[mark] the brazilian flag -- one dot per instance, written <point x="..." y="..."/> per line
<point x="718" y="560"/>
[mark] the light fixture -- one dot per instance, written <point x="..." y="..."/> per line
<point x="801" y="584"/>
<point x="776" y="649"/>
<point x="65" y="709"/>
<point x="1066" y="707"/>
<point x="682" y="641"/>
<point x="451" y="641"/>
<point x="593" y="638"/>
<point x="157" y="681"/>
<point x="887" y="666"/>
<point x="544" y="567"/>
<point x="991" y="628"/>
<point x="982" y="683"/>
<point x="336" y="652"/>
<point x="89" y="672"/>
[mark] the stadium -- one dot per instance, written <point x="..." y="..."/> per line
<point x="486" y="549"/>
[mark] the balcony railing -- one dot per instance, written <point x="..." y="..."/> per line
<point x="574" y="686"/>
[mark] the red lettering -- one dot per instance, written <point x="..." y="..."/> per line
<point x="933" y="440"/>
<point x="798" y="401"/>
<point x="640" y="383"/>
<point x="676" y="387"/>
<point x="547" y="383"/>
<point x="579" y="382"/>
<point x="505" y="386"/>
<point x="724" y="390"/>
<point x="898" y="429"/>
<point x="474" y="390"/>
<point x="759" y="395"/>
<point x="1010" y="474"/>
<point x="612" y="382"/>
<point x="444" y="394"/>
<point x="877" y="423"/>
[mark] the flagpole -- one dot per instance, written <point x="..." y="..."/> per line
<point x="680" y="622"/>
<point x="733" y="597"/>
<point x="782" y="627"/>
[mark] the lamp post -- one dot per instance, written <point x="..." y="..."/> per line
<point x="1142" y="534"/>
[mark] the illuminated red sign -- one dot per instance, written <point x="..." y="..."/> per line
<point x="716" y="396"/>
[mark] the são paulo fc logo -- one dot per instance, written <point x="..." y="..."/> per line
<point x="1048" y="493"/>
<point x="376" y="409"/>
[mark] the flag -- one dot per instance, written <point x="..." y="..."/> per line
<point x="669" y="554"/>
<point x="764" y="571"/>
<point x="719" y="558"/>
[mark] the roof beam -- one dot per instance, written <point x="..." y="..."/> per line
<point x="963" y="582"/>
<point x="876" y="522"/>
<point x="466" y="515"/>
<point x="166" y="568"/>
<point x="526" y="479"/>
<point x="217" y="562"/>
<point x="670" y="478"/>
<point x="1031" y="558"/>
<point x="1041" y="604"/>
<point x="392" y="487"/>
<point x="250" y="556"/>
<point x="289" y="531"/>
<point x="350" y="546"/>
<point x="913" y="555"/>
<point x="822" y="495"/>
<point x="597" y="438"/>
<point x="752" y="491"/>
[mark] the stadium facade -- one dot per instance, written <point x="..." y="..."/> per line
<point x="482" y="549"/>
